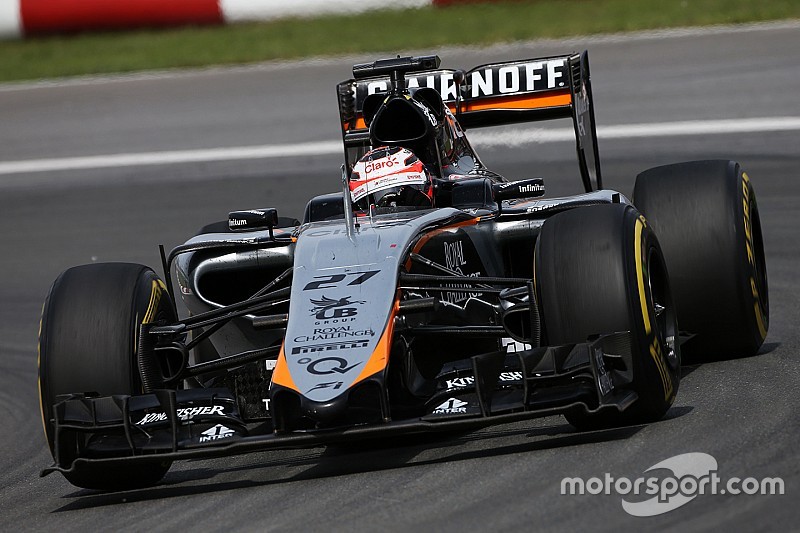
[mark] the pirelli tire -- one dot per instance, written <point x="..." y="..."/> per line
<point x="706" y="217"/>
<point x="600" y="269"/>
<point x="87" y="344"/>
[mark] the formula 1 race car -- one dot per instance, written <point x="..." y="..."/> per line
<point x="429" y="294"/>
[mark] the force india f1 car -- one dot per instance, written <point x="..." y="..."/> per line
<point x="429" y="294"/>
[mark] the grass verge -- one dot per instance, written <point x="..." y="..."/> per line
<point x="377" y="31"/>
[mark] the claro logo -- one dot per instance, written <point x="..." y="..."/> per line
<point x="385" y="162"/>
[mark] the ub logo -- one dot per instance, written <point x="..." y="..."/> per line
<point x="326" y="308"/>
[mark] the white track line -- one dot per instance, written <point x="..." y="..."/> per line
<point x="510" y="138"/>
<point x="172" y="157"/>
<point x="517" y="137"/>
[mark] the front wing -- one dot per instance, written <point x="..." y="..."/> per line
<point x="169" y="425"/>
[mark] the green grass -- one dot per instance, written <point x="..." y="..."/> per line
<point x="380" y="31"/>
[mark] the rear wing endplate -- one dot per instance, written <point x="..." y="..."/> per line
<point x="496" y="94"/>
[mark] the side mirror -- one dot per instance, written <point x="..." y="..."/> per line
<point x="472" y="193"/>
<point x="530" y="188"/>
<point x="253" y="219"/>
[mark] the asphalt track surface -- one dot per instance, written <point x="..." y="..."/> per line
<point x="744" y="412"/>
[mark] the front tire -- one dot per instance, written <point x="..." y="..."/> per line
<point x="600" y="270"/>
<point x="87" y="344"/>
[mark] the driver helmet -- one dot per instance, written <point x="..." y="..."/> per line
<point x="391" y="177"/>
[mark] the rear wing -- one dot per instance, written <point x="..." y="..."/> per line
<point x="492" y="95"/>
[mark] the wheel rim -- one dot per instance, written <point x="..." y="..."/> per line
<point x="666" y="329"/>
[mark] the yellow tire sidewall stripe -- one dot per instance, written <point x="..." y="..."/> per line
<point x="655" y="346"/>
<point x="749" y="248"/>
<point x="155" y="298"/>
<point x="637" y="243"/>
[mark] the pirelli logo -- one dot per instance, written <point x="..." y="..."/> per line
<point x="330" y="346"/>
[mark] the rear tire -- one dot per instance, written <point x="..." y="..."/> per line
<point x="600" y="270"/>
<point x="87" y="344"/>
<point x="706" y="218"/>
